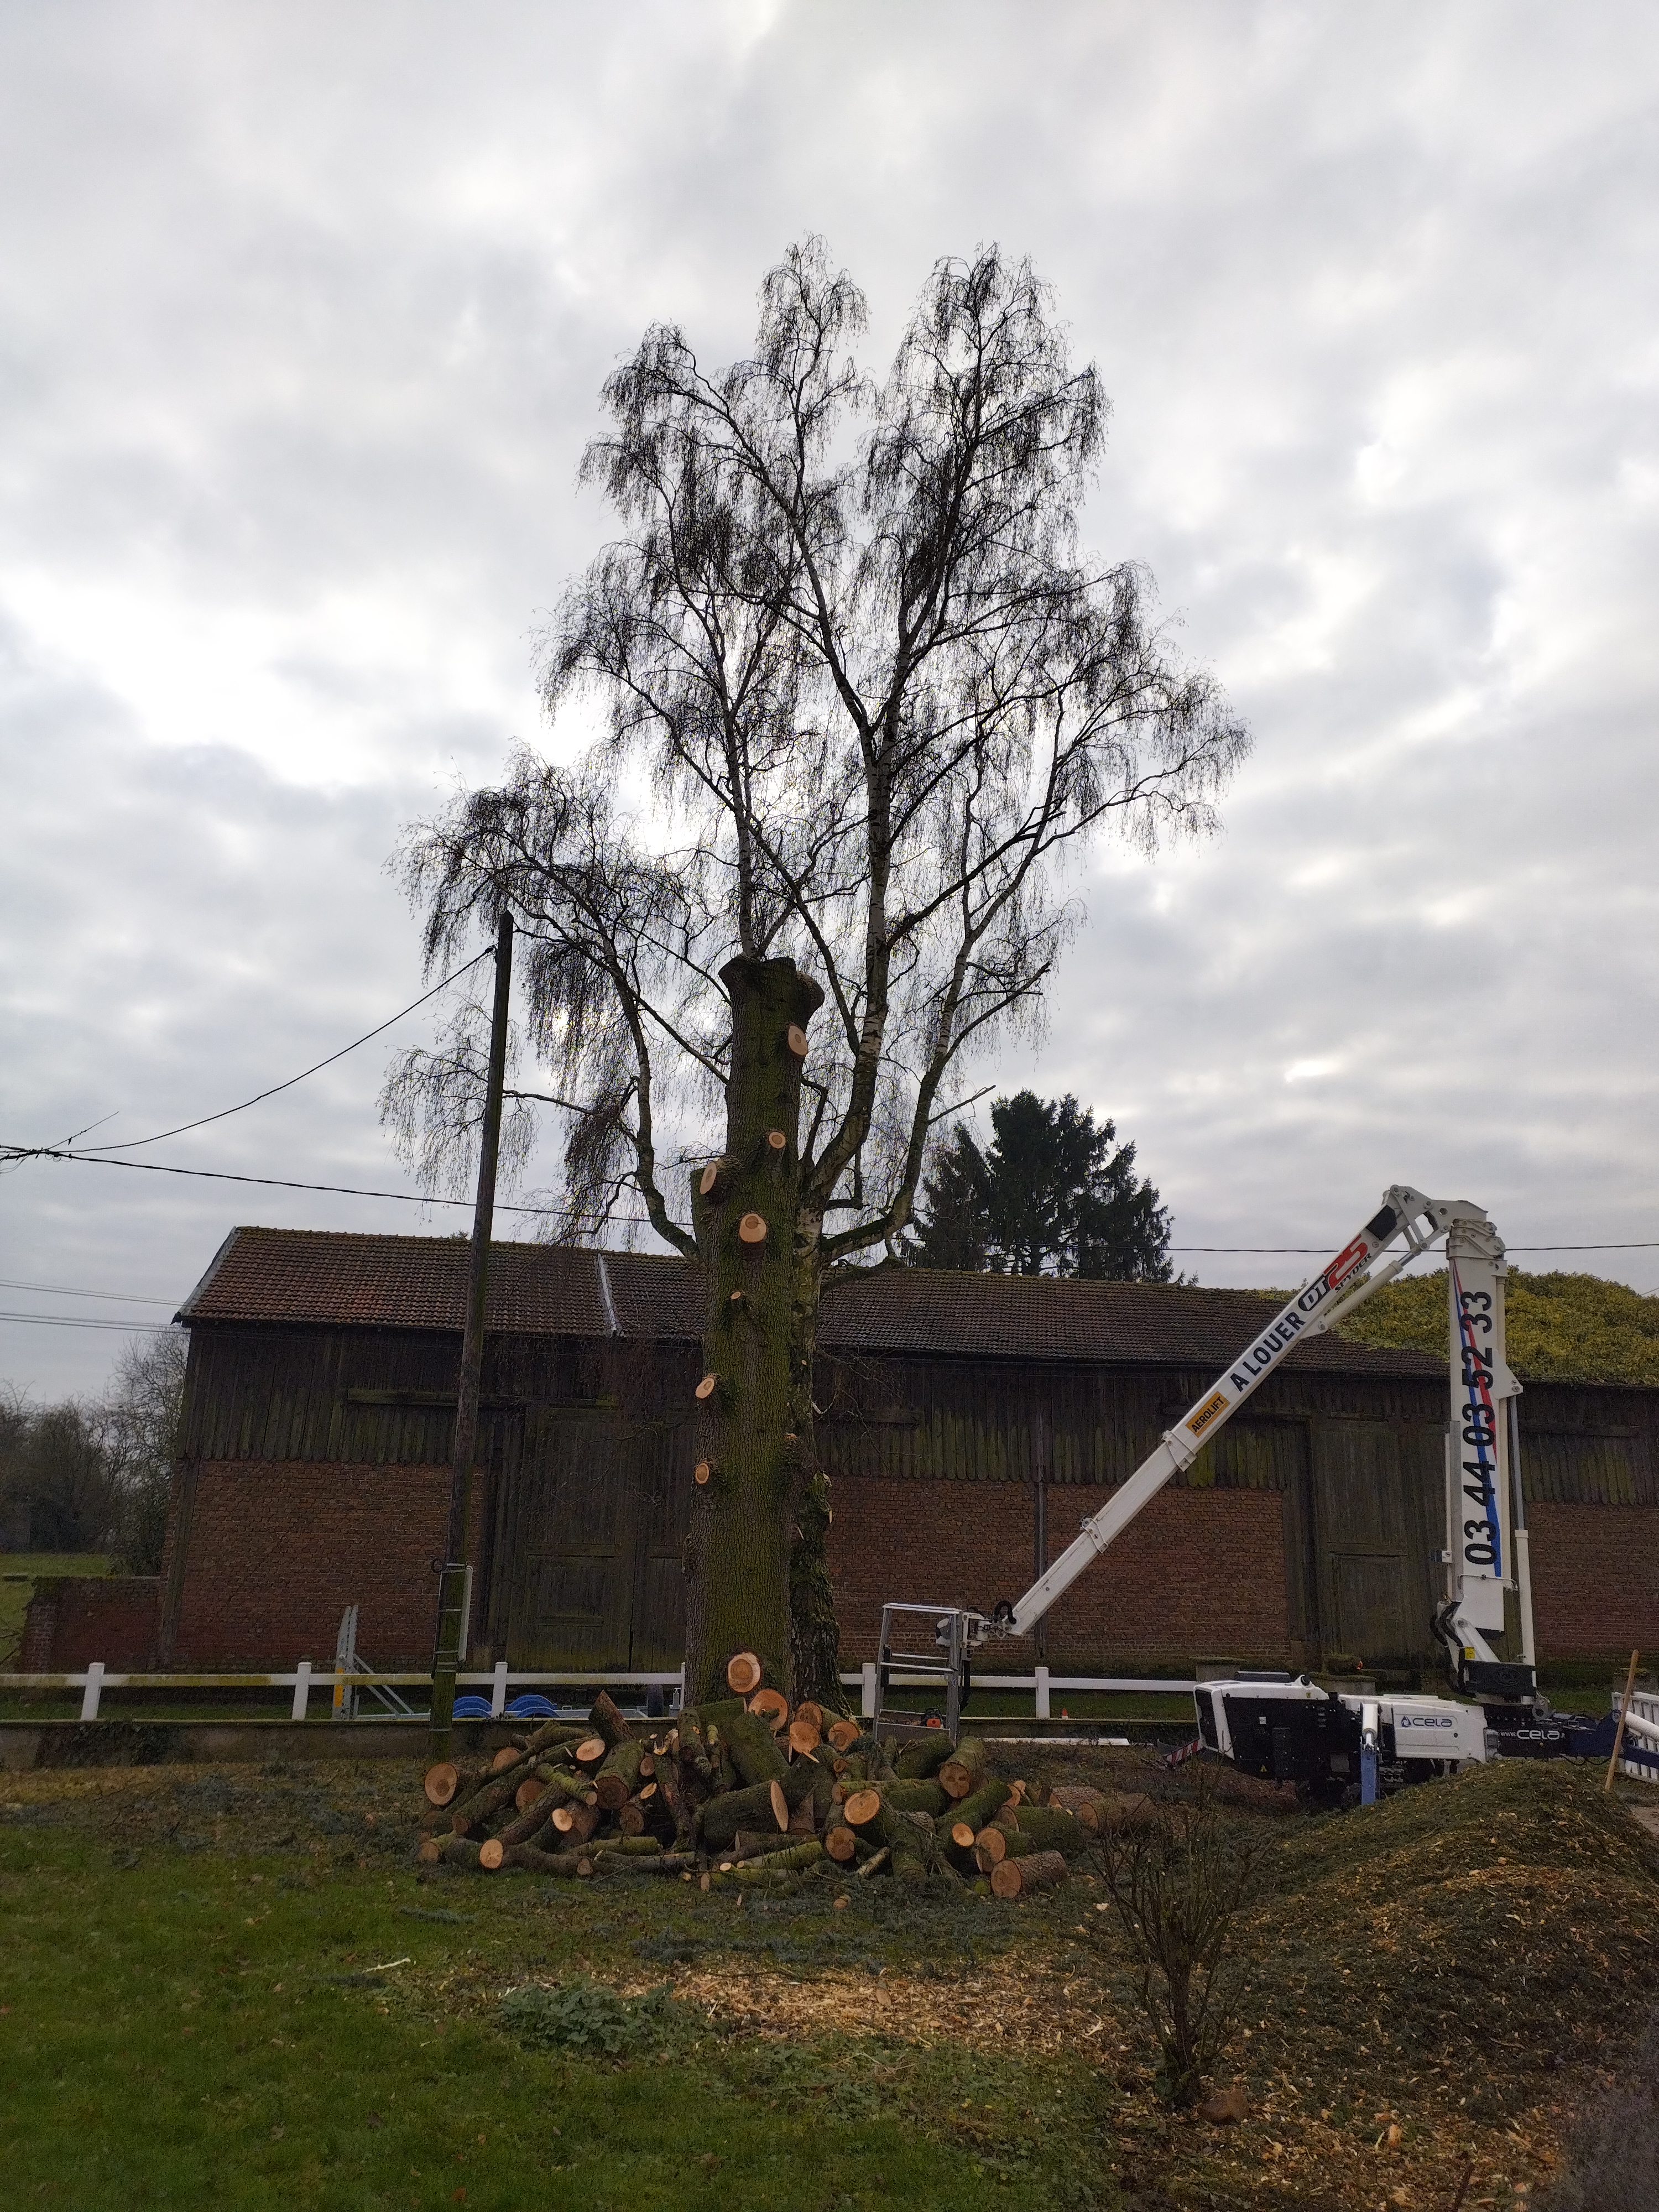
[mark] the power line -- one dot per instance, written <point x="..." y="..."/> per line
<point x="1321" y="1251"/>
<point x="276" y="1182"/>
<point x="64" y="1290"/>
<point x="20" y="1152"/>
<point x="130" y="1143"/>
<point x="269" y="1182"/>
<point x="81" y="1321"/>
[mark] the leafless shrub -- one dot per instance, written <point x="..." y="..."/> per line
<point x="1178" y="1885"/>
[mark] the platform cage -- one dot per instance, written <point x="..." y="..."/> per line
<point x="923" y="1644"/>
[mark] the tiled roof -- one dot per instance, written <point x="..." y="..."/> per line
<point x="323" y="1279"/>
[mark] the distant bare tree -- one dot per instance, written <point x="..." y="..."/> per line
<point x="862" y="693"/>
<point x="57" y="1472"/>
<point x="138" y="1427"/>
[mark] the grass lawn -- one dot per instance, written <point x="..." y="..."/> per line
<point x="229" y="1987"/>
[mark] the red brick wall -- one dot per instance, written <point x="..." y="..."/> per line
<point x="277" y="1550"/>
<point x="1594" y="1580"/>
<point x="1197" y="1574"/>
<point x="72" y="1619"/>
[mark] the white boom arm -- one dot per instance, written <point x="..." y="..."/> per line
<point x="1477" y="1501"/>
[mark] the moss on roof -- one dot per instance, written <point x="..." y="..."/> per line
<point x="1562" y="1329"/>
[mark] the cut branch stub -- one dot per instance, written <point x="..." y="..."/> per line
<point x="797" y="1040"/>
<point x="777" y="1139"/>
<point x="742" y="1673"/>
<point x="752" y="1229"/>
<point x="708" y="1178"/>
<point x="702" y="1471"/>
<point x="590" y="1751"/>
<point x="707" y="1387"/>
<point x="861" y="1808"/>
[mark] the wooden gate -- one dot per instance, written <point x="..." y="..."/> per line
<point x="588" y="1545"/>
<point x="1378" y="1493"/>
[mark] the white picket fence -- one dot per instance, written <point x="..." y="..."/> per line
<point x="503" y="1683"/>
<point x="1639" y="1753"/>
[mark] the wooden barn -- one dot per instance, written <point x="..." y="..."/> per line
<point x="969" y="1422"/>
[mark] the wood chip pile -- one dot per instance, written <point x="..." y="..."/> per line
<point x="746" y="1791"/>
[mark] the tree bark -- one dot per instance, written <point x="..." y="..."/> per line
<point x="744" y="1517"/>
<point x="814" y="1634"/>
<point x="1051" y="1830"/>
<point x="1014" y="1877"/>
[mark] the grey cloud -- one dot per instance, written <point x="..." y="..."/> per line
<point x="301" y="329"/>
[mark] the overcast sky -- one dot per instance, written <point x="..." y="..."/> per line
<point x="303" y="313"/>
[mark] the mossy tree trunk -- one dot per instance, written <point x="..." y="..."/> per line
<point x="815" y="1637"/>
<point x="743" y="1512"/>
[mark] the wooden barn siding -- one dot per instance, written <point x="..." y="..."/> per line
<point x="354" y="1396"/>
<point x="588" y="1445"/>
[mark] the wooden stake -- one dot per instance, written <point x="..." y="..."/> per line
<point x="1619" y="1733"/>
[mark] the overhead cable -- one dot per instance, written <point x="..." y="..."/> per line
<point x="81" y="1321"/>
<point x="269" y="1182"/>
<point x="130" y="1143"/>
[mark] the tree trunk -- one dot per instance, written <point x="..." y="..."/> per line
<point x="743" y="1516"/>
<point x="814" y="1632"/>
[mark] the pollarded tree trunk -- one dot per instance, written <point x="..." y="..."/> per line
<point x="748" y="1469"/>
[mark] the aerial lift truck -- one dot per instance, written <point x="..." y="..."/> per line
<point x="1338" y="1744"/>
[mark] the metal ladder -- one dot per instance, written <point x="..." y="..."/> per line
<point x="349" y="1659"/>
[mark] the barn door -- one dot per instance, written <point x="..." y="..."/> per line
<point x="589" y="1559"/>
<point x="1377" y="1504"/>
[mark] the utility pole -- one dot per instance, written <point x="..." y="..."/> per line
<point x="454" y="1587"/>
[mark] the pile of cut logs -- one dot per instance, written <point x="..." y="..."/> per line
<point x="746" y="1791"/>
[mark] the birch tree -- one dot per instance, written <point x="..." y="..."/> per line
<point x="861" y="693"/>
